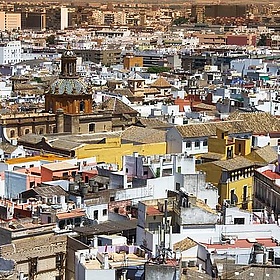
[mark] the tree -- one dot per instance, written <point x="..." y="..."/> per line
<point x="262" y="40"/>
<point x="50" y="40"/>
<point x="157" y="69"/>
<point x="180" y="20"/>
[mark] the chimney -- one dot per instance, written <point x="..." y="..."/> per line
<point x="106" y="261"/>
<point x="192" y="199"/>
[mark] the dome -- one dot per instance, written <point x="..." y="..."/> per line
<point x="69" y="53"/>
<point x="69" y="86"/>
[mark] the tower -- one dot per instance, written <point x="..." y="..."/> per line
<point x="69" y="92"/>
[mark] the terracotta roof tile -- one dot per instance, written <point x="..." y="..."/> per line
<point x="234" y="163"/>
<point x="143" y="135"/>
<point x="258" y="122"/>
<point x="161" y="83"/>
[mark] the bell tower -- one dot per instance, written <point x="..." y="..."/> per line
<point x="68" y="64"/>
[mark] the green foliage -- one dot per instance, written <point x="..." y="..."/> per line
<point x="180" y="20"/>
<point x="50" y="40"/>
<point x="262" y="40"/>
<point x="158" y="69"/>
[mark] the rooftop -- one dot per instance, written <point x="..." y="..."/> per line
<point x="242" y="243"/>
<point x="72" y="214"/>
<point x="58" y="166"/>
<point x="234" y="163"/>
<point x="46" y="157"/>
<point x="108" y="227"/>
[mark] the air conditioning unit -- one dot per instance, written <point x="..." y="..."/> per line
<point x="192" y="263"/>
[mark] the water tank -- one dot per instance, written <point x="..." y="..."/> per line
<point x="71" y="186"/>
<point x="84" y="188"/>
<point x="277" y="260"/>
<point x="259" y="258"/>
<point x="91" y="182"/>
<point x="77" y="178"/>
<point x="271" y="255"/>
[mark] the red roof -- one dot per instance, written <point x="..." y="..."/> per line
<point x="242" y="243"/>
<point x="73" y="214"/>
<point x="271" y="175"/>
<point x="152" y="211"/>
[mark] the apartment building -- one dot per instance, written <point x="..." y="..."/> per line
<point x="10" y="52"/>
<point x="10" y="21"/>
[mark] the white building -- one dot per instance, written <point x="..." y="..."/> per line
<point x="10" y="52"/>
<point x="63" y="18"/>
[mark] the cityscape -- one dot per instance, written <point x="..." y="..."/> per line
<point x="139" y="140"/>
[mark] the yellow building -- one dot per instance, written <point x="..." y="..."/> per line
<point x="227" y="145"/>
<point x="232" y="173"/>
<point x="130" y="61"/>
<point x="134" y="139"/>
<point x="230" y="165"/>
<point x="234" y="180"/>
<point x="107" y="147"/>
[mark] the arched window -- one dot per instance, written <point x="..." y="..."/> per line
<point x="12" y="134"/>
<point x="26" y="131"/>
<point x="82" y="106"/>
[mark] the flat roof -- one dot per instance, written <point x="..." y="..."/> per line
<point x="243" y="244"/>
<point x="56" y="166"/>
<point x="271" y="175"/>
<point x="107" y="227"/>
<point x="47" y="157"/>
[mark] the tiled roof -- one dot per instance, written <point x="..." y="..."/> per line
<point x="117" y="106"/>
<point x="258" y="122"/>
<point x="73" y="214"/>
<point x="153" y="123"/>
<point x="184" y="244"/>
<point x="204" y="106"/>
<point x="209" y="129"/>
<point x="124" y="92"/>
<point x="267" y="153"/>
<point x="234" y="163"/>
<point x="7" y="148"/>
<point x="161" y="83"/>
<point x="211" y="155"/>
<point x="143" y="135"/>
<point x="50" y="191"/>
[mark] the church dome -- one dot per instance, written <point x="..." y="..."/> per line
<point x="69" y="81"/>
<point x="69" y="86"/>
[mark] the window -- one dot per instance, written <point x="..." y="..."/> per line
<point x="245" y="189"/>
<point x="95" y="214"/>
<point x="116" y="210"/>
<point x="233" y="197"/>
<point x="239" y="148"/>
<point x="27" y="131"/>
<point x="112" y="198"/>
<point x="82" y="106"/>
<point x="188" y="144"/>
<point x="104" y="212"/>
<point x="91" y="127"/>
<point x="59" y="260"/>
<point x="197" y="144"/>
<point x="239" y="221"/>
<point x="205" y="143"/>
<point x="12" y="134"/>
<point x="65" y="174"/>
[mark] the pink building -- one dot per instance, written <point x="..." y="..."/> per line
<point x="58" y="170"/>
